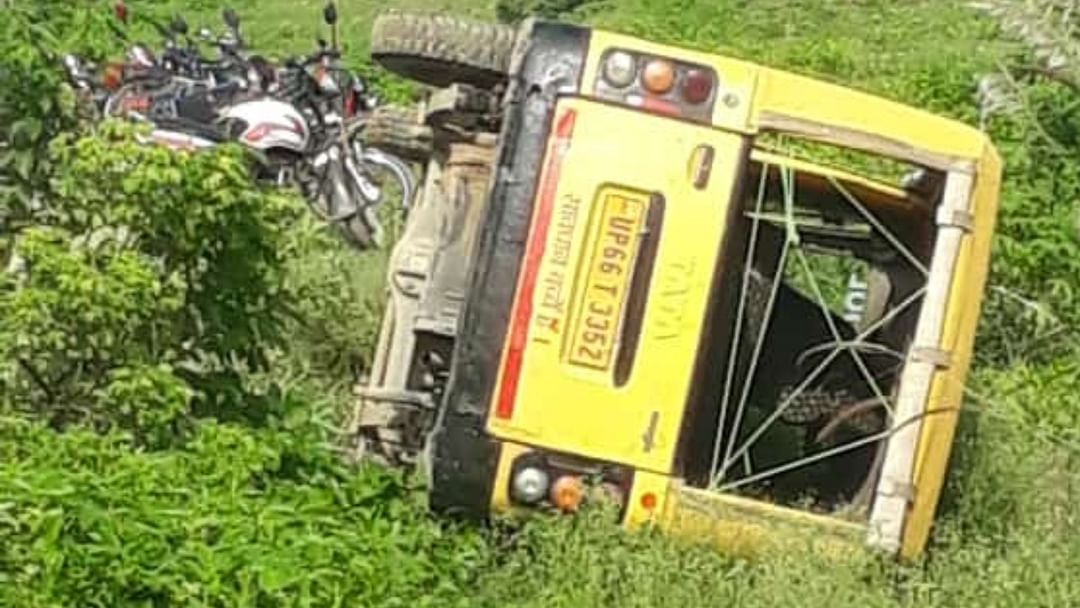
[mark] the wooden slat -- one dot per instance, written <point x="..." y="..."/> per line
<point x="895" y="486"/>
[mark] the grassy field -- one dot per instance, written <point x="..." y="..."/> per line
<point x="1009" y="534"/>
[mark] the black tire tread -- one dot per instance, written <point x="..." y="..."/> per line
<point x="439" y="50"/>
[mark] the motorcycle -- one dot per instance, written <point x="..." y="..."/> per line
<point x="302" y="120"/>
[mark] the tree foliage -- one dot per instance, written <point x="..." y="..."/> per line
<point x="1031" y="105"/>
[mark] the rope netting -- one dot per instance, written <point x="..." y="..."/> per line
<point x="795" y="362"/>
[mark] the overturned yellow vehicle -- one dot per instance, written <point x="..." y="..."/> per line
<point x="740" y="300"/>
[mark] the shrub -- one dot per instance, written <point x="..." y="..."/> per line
<point x="77" y="318"/>
<point x="149" y="268"/>
<point x="35" y="103"/>
<point x="200" y="218"/>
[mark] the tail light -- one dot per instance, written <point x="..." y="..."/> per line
<point x="120" y="11"/>
<point x="648" y="501"/>
<point x="620" y="69"/>
<point x="658" y="76"/>
<point x="565" y="482"/>
<point x="657" y="84"/>
<point x="530" y="485"/>
<point x="113" y="76"/>
<point x="136" y="103"/>
<point x="567" y="493"/>
<point x="350" y="104"/>
<point x="697" y="86"/>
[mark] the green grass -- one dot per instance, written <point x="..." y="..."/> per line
<point x="267" y="519"/>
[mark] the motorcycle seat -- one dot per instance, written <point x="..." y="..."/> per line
<point x="208" y="131"/>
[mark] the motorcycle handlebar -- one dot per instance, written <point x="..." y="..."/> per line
<point x="313" y="58"/>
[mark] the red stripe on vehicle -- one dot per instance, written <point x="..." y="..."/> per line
<point x="534" y="253"/>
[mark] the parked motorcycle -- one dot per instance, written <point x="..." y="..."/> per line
<point x="302" y="119"/>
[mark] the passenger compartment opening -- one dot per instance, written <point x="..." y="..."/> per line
<point x="813" y="313"/>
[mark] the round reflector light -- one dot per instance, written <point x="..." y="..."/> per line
<point x="697" y="85"/>
<point x="530" y="485"/>
<point x="648" y="501"/>
<point x="620" y="69"/>
<point x="658" y="76"/>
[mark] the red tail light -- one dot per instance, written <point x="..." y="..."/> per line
<point x="136" y="103"/>
<point x="534" y="251"/>
<point x="648" y="501"/>
<point x="697" y="86"/>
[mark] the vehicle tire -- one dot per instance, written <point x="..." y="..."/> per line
<point x="439" y="50"/>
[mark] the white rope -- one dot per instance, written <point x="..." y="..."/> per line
<point x="760" y="430"/>
<point x="739" y="315"/>
<point x="840" y="339"/>
<point x="744" y="396"/>
<point x="895" y="242"/>
<point x="787" y="181"/>
<point x="786" y="176"/>
<point x="833" y="451"/>
<point x="982" y="406"/>
<point x="873" y="346"/>
<point x="731" y="455"/>
<point x="806" y="460"/>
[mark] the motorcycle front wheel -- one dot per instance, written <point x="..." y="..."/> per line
<point x="386" y="186"/>
<point x="337" y="198"/>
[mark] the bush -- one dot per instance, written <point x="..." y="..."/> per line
<point x="202" y="220"/>
<point x="150" y="265"/>
<point x="33" y="110"/>
<point x="35" y="103"/>
<point x="79" y="318"/>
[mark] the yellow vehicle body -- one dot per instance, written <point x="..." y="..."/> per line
<point x="630" y="222"/>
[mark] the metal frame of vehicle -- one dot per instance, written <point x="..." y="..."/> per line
<point x="550" y="368"/>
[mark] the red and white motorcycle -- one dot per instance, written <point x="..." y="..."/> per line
<point x="302" y="121"/>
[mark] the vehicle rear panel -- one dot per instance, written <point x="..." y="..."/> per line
<point x="590" y="286"/>
<point x="627" y="222"/>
